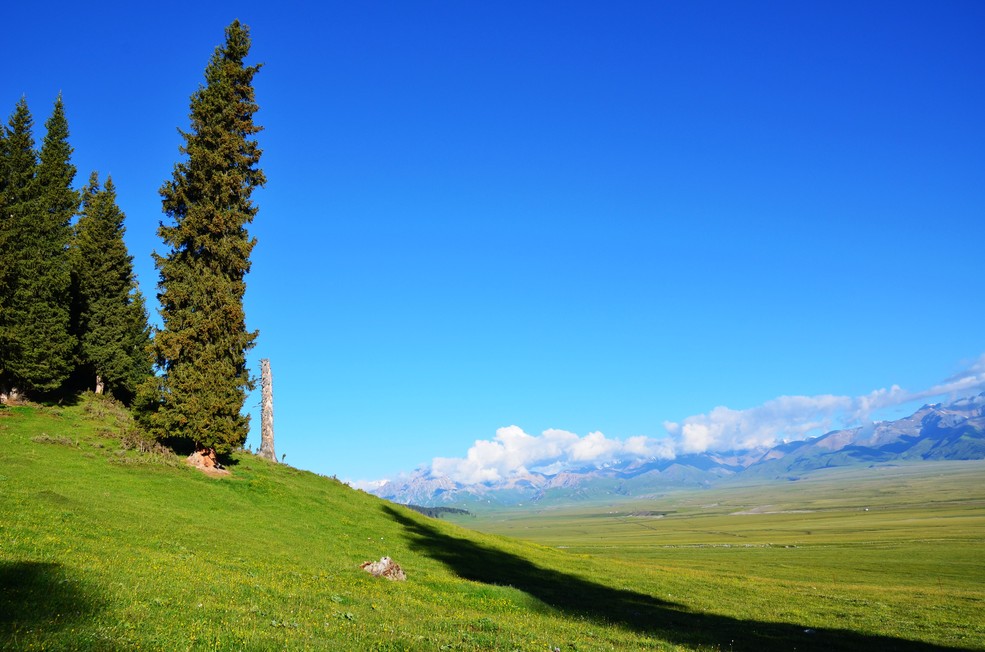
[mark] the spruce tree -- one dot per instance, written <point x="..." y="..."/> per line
<point x="201" y="349"/>
<point x="111" y="321"/>
<point x="17" y="193"/>
<point x="7" y="253"/>
<point x="36" y="345"/>
<point x="43" y="355"/>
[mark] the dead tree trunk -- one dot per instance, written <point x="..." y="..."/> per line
<point x="266" y="412"/>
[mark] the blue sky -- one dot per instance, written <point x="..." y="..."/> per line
<point x="589" y="217"/>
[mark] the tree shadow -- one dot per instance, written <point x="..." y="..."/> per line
<point x="58" y="398"/>
<point x="643" y="613"/>
<point x="38" y="599"/>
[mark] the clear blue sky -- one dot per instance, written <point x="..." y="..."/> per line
<point x="582" y="216"/>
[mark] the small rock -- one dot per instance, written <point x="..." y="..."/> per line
<point x="385" y="567"/>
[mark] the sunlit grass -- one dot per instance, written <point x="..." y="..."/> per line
<point x="107" y="548"/>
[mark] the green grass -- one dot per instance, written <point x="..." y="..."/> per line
<point x="115" y="546"/>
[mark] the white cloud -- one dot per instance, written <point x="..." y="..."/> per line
<point x="594" y="447"/>
<point x="776" y="420"/>
<point x="968" y="381"/>
<point x="879" y="399"/>
<point x="513" y="452"/>
<point x="366" y="485"/>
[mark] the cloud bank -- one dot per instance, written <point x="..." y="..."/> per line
<point x="513" y="452"/>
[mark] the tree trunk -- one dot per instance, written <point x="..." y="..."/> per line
<point x="266" y="412"/>
<point x="100" y="384"/>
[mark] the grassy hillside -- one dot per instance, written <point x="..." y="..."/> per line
<point x="106" y="547"/>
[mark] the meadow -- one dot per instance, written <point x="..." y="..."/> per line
<point x="901" y="544"/>
<point x="109" y="544"/>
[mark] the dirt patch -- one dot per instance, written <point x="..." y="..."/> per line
<point x="647" y="514"/>
<point x="205" y="461"/>
<point x="768" y="509"/>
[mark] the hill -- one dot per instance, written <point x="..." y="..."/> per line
<point x="109" y="544"/>
<point x="953" y="431"/>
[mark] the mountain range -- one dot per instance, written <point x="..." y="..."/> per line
<point x="955" y="431"/>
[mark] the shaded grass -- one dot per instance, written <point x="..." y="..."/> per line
<point x="42" y="598"/>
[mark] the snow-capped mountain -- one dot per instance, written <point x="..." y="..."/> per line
<point x="955" y="431"/>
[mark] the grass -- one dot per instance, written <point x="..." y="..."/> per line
<point x="896" y="545"/>
<point x="109" y="544"/>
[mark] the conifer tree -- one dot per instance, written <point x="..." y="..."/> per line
<point x="17" y="192"/>
<point x="7" y="252"/>
<point x="36" y="345"/>
<point x="201" y="349"/>
<point x="44" y="355"/>
<point x="111" y="321"/>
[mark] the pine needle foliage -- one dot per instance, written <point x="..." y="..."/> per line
<point x="18" y="169"/>
<point x="201" y="350"/>
<point x="112" y="321"/>
<point x="37" y="343"/>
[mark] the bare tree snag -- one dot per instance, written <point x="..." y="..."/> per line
<point x="10" y="395"/>
<point x="266" y="412"/>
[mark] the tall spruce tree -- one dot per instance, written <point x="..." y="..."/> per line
<point x="201" y="349"/>
<point x="8" y="248"/>
<point x="111" y="320"/>
<point x="52" y="344"/>
<point x="17" y="194"/>
<point x="35" y="334"/>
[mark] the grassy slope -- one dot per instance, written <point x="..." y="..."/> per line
<point x="102" y="548"/>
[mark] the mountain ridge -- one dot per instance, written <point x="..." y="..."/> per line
<point x="952" y="431"/>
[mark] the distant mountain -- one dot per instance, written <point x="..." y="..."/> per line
<point x="955" y="431"/>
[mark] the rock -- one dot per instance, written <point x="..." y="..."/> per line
<point x="385" y="567"/>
